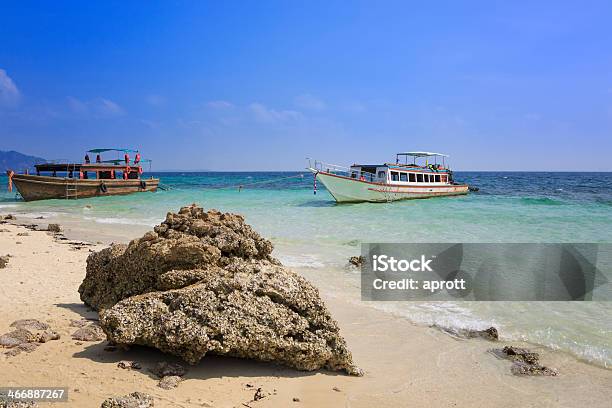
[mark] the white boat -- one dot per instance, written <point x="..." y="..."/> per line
<point x="390" y="181"/>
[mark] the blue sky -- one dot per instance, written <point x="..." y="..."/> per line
<point x="262" y="85"/>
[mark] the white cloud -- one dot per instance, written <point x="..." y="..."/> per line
<point x="96" y="107"/>
<point x="308" y="101"/>
<point x="107" y="107"/>
<point x="155" y="100"/>
<point x="267" y="115"/>
<point x="76" y="105"/>
<point x="220" y="104"/>
<point x="9" y="93"/>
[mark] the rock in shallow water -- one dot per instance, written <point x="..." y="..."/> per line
<point x="205" y="282"/>
<point x="356" y="261"/>
<point x="525" y="362"/>
<point x="55" y="228"/>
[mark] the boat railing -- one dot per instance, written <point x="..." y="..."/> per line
<point x="54" y="161"/>
<point x="347" y="172"/>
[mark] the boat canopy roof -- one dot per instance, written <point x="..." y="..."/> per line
<point x="112" y="150"/>
<point x="422" y="154"/>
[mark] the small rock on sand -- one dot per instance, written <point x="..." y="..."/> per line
<point x="27" y="335"/>
<point x="9" y="217"/>
<point x="17" y="404"/>
<point x="55" y="228"/>
<point x="165" y="369"/>
<point x="169" y="382"/>
<point x="133" y="400"/>
<point x="522" y="368"/>
<point x="15" y="338"/>
<point x="30" y="324"/>
<point x="47" y="335"/>
<point x="259" y="394"/>
<point x="92" y="332"/>
<point x="4" y="261"/>
<point x="79" y="323"/>
<point x="129" y="365"/>
<point x="296" y="399"/>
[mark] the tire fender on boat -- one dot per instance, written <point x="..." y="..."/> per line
<point x="103" y="188"/>
<point x="143" y="184"/>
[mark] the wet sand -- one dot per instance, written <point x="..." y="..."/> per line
<point x="404" y="364"/>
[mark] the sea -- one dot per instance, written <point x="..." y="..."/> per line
<point x="313" y="234"/>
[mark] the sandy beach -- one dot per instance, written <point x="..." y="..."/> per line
<point x="404" y="364"/>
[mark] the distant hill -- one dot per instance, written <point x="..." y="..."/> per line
<point x="17" y="161"/>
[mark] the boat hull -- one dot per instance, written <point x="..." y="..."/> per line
<point x="348" y="190"/>
<point x="33" y="187"/>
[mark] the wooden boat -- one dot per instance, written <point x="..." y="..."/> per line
<point x="83" y="180"/>
<point x="389" y="181"/>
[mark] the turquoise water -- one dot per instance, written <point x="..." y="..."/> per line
<point x="312" y="232"/>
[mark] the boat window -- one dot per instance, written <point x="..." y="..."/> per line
<point x="403" y="177"/>
<point x="437" y="178"/>
<point x="444" y="178"/>
<point x="419" y="177"/>
<point x="394" y="176"/>
<point x="381" y="174"/>
<point x="412" y="177"/>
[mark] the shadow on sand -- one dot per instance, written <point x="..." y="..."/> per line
<point x="211" y="366"/>
<point x="81" y="309"/>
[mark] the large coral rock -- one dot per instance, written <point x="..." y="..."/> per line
<point x="205" y="282"/>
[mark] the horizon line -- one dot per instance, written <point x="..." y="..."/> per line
<point x="305" y="170"/>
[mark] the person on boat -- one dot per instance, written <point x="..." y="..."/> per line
<point x="87" y="161"/>
<point x="137" y="158"/>
<point x="98" y="158"/>
<point x="126" y="157"/>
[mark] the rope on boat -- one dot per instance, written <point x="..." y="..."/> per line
<point x="243" y="185"/>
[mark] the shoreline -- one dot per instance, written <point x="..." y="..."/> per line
<point x="405" y="363"/>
